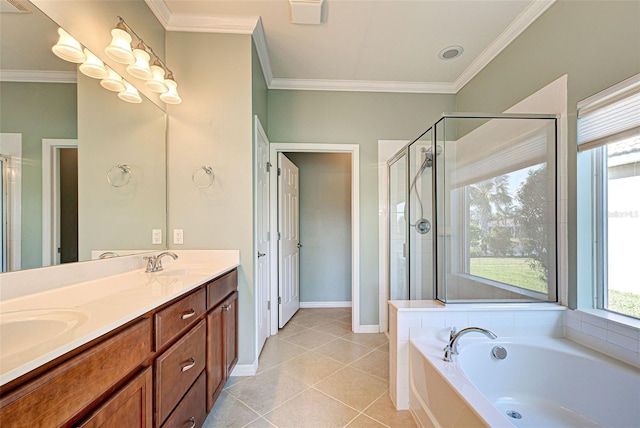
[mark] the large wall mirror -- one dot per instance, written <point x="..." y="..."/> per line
<point x="83" y="172"/>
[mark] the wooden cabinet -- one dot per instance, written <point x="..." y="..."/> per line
<point x="165" y="369"/>
<point x="58" y="396"/>
<point x="129" y="407"/>
<point x="191" y="412"/>
<point x="222" y="346"/>
<point x="175" y="319"/>
<point x="177" y="369"/>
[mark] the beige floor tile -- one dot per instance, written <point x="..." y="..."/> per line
<point x="384" y="348"/>
<point x="384" y="411"/>
<point x="311" y="368"/>
<point x="260" y="423"/>
<point x="375" y="363"/>
<point x="289" y="330"/>
<point x="235" y="379"/>
<point x="309" y="320"/>
<point x="277" y="351"/>
<point x="265" y="391"/>
<point x="310" y="339"/>
<point x="334" y="328"/>
<point x="370" y="340"/>
<point x="344" y="318"/>
<point x="353" y="387"/>
<point x="364" y="421"/>
<point x="228" y="412"/>
<point x="344" y="351"/>
<point x="311" y="409"/>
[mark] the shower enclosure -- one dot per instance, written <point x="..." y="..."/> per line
<point x="472" y="211"/>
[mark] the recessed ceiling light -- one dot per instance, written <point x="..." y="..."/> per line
<point x="451" y="52"/>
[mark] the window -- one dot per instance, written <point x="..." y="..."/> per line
<point x="609" y="196"/>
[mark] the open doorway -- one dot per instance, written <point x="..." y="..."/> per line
<point x="311" y="199"/>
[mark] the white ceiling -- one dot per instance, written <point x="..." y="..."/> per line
<point x="369" y="45"/>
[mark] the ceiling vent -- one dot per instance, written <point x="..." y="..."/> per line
<point x="13" y="6"/>
<point x="306" y="11"/>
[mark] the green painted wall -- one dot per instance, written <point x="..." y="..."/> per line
<point x="596" y="43"/>
<point x="356" y="118"/>
<point x="258" y="89"/>
<point x="37" y="111"/>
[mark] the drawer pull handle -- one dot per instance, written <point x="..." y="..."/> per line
<point x="226" y="307"/>
<point x="192" y="421"/>
<point x="189" y="314"/>
<point x="192" y="362"/>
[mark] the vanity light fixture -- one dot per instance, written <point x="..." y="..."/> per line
<point x="140" y="68"/>
<point x="93" y="66"/>
<point x="171" y="96"/>
<point x="120" y="47"/>
<point x="156" y="83"/>
<point x="130" y="94"/>
<point x="157" y="76"/>
<point x="68" y="48"/>
<point x="113" y="82"/>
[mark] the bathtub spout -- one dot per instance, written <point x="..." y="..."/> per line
<point x="452" y="347"/>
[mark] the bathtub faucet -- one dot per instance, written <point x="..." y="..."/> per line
<point x="454" y="336"/>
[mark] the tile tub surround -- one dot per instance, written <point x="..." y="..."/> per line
<point x="430" y="318"/>
<point x="107" y="293"/>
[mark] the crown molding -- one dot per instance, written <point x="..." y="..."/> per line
<point x="31" y="76"/>
<point x="253" y="25"/>
<point x="517" y="27"/>
<point x="362" y="86"/>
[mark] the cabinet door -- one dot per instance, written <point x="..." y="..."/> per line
<point x="230" y="310"/>
<point x="129" y="407"/>
<point x="190" y="413"/>
<point x="216" y="368"/>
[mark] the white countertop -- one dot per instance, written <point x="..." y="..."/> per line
<point x="95" y="307"/>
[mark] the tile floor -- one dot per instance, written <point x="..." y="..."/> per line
<point x="314" y="373"/>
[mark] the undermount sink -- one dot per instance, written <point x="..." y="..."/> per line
<point x="22" y="331"/>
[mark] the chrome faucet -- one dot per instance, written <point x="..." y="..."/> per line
<point x="454" y="336"/>
<point x="154" y="263"/>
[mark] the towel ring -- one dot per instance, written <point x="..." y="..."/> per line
<point x="119" y="175"/>
<point x="203" y="177"/>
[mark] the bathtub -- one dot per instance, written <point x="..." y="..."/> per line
<point x="542" y="382"/>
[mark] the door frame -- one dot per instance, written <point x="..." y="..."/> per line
<point x="11" y="145"/>
<point x="354" y="151"/>
<point x="51" y="196"/>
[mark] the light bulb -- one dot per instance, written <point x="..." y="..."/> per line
<point x="130" y="94"/>
<point x="140" y="68"/>
<point x="113" y="82"/>
<point x="93" y="66"/>
<point x="156" y="84"/>
<point x="68" y="48"/>
<point x="171" y="96"/>
<point x="120" y="47"/>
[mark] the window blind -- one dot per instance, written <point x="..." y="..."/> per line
<point x="610" y="116"/>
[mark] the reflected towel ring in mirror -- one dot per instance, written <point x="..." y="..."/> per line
<point x="203" y="177"/>
<point x="119" y="175"/>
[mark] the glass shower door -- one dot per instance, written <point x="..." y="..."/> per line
<point x="398" y="284"/>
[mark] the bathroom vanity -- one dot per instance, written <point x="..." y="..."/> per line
<point x="163" y="365"/>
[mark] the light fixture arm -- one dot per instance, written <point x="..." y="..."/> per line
<point x="147" y="48"/>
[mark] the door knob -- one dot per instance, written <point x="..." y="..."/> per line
<point x="261" y="254"/>
<point x="299" y="245"/>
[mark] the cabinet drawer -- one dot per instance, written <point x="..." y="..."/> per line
<point x="129" y="407"/>
<point x="178" y="368"/>
<point x="61" y="393"/>
<point x="191" y="411"/>
<point x="220" y="288"/>
<point x="176" y="318"/>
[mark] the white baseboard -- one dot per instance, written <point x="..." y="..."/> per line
<point x="245" y="369"/>
<point x="369" y="329"/>
<point x="325" y="304"/>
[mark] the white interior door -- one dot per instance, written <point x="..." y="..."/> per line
<point x="263" y="259"/>
<point x="289" y="242"/>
